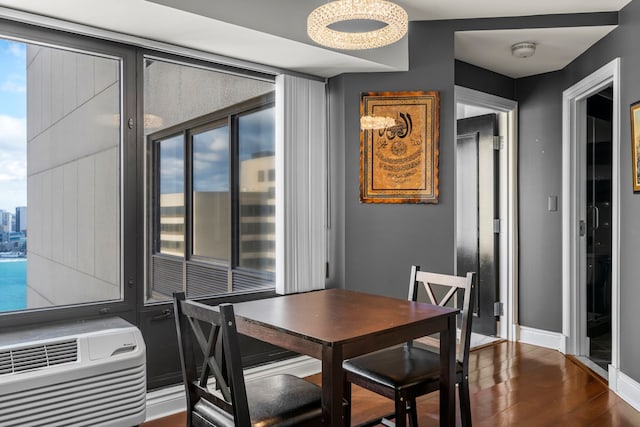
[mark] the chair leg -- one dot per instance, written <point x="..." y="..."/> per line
<point x="413" y="412"/>
<point x="401" y="411"/>
<point x="465" y="402"/>
<point x="347" y="409"/>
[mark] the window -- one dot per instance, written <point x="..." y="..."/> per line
<point x="60" y="205"/>
<point x="171" y="206"/>
<point x="88" y="188"/>
<point x="256" y="147"/>
<point x="211" y="194"/>
<point x="210" y="150"/>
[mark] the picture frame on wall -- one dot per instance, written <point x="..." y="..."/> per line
<point x="399" y="134"/>
<point x="635" y="145"/>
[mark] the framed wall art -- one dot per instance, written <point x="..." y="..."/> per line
<point x="635" y="145"/>
<point x="399" y="147"/>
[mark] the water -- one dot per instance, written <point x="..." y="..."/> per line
<point x="13" y="285"/>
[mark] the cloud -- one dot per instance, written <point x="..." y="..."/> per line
<point x="9" y="86"/>
<point x="13" y="134"/>
<point x="220" y="142"/>
<point x="19" y="50"/>
<point x="13" y="162"/>
<point x="12" y="170"/>
<point x="208" y="157"/>
<point x="212" y="153"/>
<point x="14" y="84"/>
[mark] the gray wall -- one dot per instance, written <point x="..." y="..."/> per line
<point x="540" y="163"/>
<point x="540" y="176"/>
<point x="380" y="242"/>
<point x="483" y="80"/>
<point x="623" y="43"/>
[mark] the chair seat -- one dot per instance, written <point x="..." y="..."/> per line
<point x="405" y="372"/>
<point x="279" y="400"/>
<point x="397" y="367"/>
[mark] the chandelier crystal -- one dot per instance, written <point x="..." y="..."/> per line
<point x="395" y="18"/>
<point x="376" y="122"/>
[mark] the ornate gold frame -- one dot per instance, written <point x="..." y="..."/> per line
<point x="399" y="163"/>
<point x="635" y="145"/>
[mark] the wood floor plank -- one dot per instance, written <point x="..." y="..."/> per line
<point x="175" y="420"/>
<point x="511" y="384"/>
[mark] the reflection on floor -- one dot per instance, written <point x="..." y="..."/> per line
<point x="600" y="350"/>
<point x="599" y="333"/>
<point x="478" y="340"/>
<point x="511" y="384"/>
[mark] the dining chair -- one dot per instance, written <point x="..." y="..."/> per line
<point x="279" y="400"/>
<point x="405" y="372"/>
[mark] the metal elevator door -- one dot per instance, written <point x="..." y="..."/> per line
<point x="477" y="223"/>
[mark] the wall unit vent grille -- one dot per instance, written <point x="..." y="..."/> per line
<point x="38" y="356"/>
<point x="99" y="400"/>
<point x="88" y="373"/>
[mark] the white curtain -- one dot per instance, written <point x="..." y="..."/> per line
<point x="301" y="184"/>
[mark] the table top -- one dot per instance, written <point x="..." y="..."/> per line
<point x="334" y="316"/>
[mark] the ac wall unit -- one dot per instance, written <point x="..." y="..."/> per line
<point x="89" y="373"/>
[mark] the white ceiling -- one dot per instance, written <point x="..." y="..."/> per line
<point x="273" y="32"/>
<point x="422" y="10"/>
<point x="555" y="48"/>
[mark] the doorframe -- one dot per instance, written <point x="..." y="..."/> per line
<point x="574" y="117"/>
<point x="508" y="211"/>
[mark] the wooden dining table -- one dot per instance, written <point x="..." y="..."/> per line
<point x="335" y="324"/>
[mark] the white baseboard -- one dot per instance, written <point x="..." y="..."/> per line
<point x="170" y="400"/>
<point x="541" y="338"/>
<point x="625" y="387"/>
<point x="165" y="401"/>
<point x="301" y="366"/>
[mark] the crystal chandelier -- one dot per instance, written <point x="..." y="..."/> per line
<point x="376" y="122"/>
<point x="383" y="11"/>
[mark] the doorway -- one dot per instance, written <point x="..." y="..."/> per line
<point x="598" y="226"/>
<point x="591" y="212"/>
<point x="477" y="198"/>
<point x="502" y="307"/>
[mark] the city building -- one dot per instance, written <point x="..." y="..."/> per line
<point x="21" y="219"/>
<point x="6" y="221"/>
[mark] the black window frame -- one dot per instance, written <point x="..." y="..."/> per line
<point x="224" y="117"/>
<point x="154" y="320"/>
<point x="128" y="255"/>
<point x="217" y="123"/>
<point x="156" y="213"/>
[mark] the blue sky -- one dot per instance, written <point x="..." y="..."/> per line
<point x="13" y="108"/>
<point x="211" y="153"/>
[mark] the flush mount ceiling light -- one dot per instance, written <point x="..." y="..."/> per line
<point x="523" y="49"/>
<point x="393" y="18"/>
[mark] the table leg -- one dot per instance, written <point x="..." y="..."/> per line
<point x="448" y="374"/>
<point x="332" y="386"/>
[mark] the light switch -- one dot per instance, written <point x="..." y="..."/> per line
<point x="552" y="203"/>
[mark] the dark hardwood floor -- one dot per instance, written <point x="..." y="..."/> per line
<point x="511" y="384"/>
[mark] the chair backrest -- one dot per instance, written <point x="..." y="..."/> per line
<point x="210" y="332"/>
<point x="440" y="289"/>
